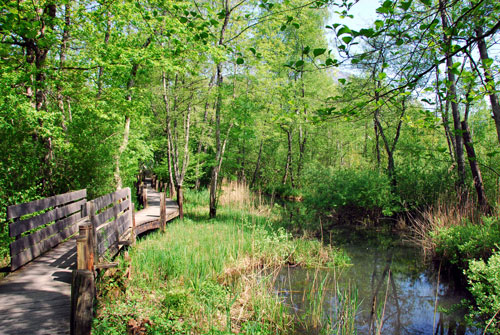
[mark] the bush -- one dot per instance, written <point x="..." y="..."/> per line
<point x="364" y="192"/>
<point x="458" y="244"/>
<point x="484" y="281"/>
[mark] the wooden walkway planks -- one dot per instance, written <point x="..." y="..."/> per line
<point x="36" y="298"/>
<point x="149" y="218"/>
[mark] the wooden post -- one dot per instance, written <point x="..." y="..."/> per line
<point x="84" y="249"/>
<point x="145" y="197"/>
<point x="92" y="233"/>
<point x="163" y="211"/>
<point x="82" y="301"/>
<point x="131" y="218"/>
<point x="157" y="184"/>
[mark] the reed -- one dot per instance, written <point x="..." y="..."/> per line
<point x="445" y="213"/>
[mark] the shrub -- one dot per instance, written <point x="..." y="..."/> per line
<point x="356" y="191"/>
<point x="484" y="281"/>
<point x="460" y="243"/>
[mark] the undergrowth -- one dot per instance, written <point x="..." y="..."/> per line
<point x="207" y="276"/>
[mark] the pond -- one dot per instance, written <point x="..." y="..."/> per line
<point x="391" y="288"/>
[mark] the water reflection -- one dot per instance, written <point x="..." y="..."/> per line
<point x="396" y="292"/>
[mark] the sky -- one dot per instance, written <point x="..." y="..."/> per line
<point x="364" y="12"/>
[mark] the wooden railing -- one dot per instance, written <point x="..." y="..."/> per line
<point x="52" y="221"/>
<point x="109" y="226"/>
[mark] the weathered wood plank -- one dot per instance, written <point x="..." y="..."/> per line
<point x="147" y="226"/>
<point x="108" y="236"/>
<point x="19" y="227"/>
<point x="16" y="211"/>
<point x="29" y="254"/>
<point x="109" y="198"/>
<point x="29" y="240"/>
<point x="109" y="213"/>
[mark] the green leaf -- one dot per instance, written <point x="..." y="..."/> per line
<point x="382" y="75"/>
<point x="240" y="61"/>
<point x="299" y="63"/>
<point x="330" y="62"/>
<point x="367" y="32"/>
<point x="344" y="30"/>
<point x="405" y="5"/>
<point x="347" y="39"/>
<point x="342" y="81"/>
<point x="306" y="50"/>
<point x="318" y="52"/>
<point x="182" y="19"/>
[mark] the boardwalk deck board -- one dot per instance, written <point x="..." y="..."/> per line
<point x="35" y="299"/>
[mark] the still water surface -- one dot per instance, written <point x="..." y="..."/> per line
<point x="386" y="272"/>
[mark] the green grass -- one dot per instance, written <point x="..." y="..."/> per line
<point x="207" y="276"/>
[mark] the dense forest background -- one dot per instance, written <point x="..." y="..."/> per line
<point x="385" y="120"/>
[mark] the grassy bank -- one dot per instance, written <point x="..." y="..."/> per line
<point x="207" y="276"/>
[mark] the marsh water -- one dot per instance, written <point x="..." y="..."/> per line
<point x="394" y="290"/>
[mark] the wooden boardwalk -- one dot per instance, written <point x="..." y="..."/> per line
<point x="36" y="298"/>
<point x="149" y="218"/>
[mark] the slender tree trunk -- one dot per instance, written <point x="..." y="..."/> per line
<point x="200" y="142"/>
<point x="444" y="111"/>
<point x="180" y="201"/>
<point x="302" y="136"/>
<point x="376" y="130"/>
<point x="390" y="148"/>
<point x="288" y="166"/>
<point x="171" y="186"/>
<point x="474" y="167"/>
<point x="257" y="165"/>
<point x="452" y="97"/>
<point x="490" y="82"/>
<point x="218" y="106"/>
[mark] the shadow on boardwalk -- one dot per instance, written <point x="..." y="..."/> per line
<point x="36" y="298"/>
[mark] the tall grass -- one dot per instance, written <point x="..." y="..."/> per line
<point x="210" y="276"/>
<point x="448" y="212"/>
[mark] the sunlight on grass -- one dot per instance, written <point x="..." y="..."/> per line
<point x="208" y="276"/>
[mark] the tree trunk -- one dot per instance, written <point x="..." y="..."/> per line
<point x="490" y="82"/>
<point x="474" y="167"/>
<point x="180" y="201"/>
<point x="218" y="106"/>
<point x="200" y="143"/>
<point x="257" y="166"/>
<point x="452" y="97"/>
<point x="288" y="165"/>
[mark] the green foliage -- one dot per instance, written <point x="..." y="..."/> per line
<point x="484" y="280"/>
<point x="461" y="243"/>
<point x="350" y="189"/>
